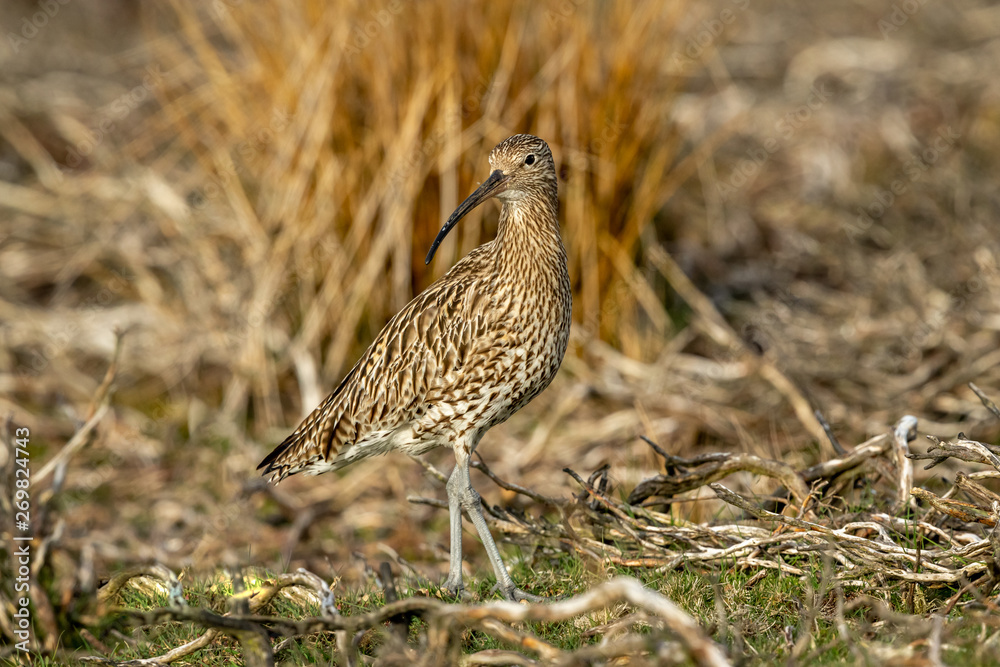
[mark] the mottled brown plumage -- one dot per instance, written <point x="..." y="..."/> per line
<point x="464" y="355"/>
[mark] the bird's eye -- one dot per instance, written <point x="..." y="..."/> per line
<point x="529" y="160"/>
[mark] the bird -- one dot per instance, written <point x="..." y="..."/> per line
<point x="464" y="355"/>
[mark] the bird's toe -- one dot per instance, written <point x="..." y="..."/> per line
<point x="515" y="594"/>
<point x="454" y="588"/>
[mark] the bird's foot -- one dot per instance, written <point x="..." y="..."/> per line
<point x="515" y="594"/>
<point x="454" y="588"/>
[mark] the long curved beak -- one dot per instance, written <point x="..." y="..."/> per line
<point x="492" y="186"/>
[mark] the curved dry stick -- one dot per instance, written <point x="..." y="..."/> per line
<point x="523" y="640"/>
<point x="108" y="591"/>
<point x="961" y="510"/>
<point x="620" y="589"/>
<point x="668" y="486"/>
<point x="962" y="448"/>
<point x="493" y="656"/>
<point x="866" y="450"/>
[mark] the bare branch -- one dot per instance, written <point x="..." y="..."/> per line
<point x="990" y="405"/>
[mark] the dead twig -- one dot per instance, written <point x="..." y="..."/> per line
<point x="989" y="404"/>
<point x="98" y="407"/>
<point x="670" y="486"/>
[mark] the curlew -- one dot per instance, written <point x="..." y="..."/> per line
<point x="463" y="356"/>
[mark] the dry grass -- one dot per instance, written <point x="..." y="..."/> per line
<point x="317" y="170"/>
<point x="248" y="189"/>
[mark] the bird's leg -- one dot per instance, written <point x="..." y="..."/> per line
<point x="460" y="484"/>
<point x="453" y="584"/>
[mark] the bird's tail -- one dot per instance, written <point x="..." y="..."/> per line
<point x="277" y="463"/>
<point x="310" y="448"/>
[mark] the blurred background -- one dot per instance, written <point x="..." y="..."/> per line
<point x="247" y="191"/>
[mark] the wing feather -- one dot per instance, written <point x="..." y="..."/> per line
<point x="396" y="378"/>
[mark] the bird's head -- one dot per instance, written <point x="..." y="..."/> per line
<point x="521" y="166"/>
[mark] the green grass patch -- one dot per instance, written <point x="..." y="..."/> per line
<point x="758" y="619"/>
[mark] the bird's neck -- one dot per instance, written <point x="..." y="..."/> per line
<point x="528" y="235"/>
